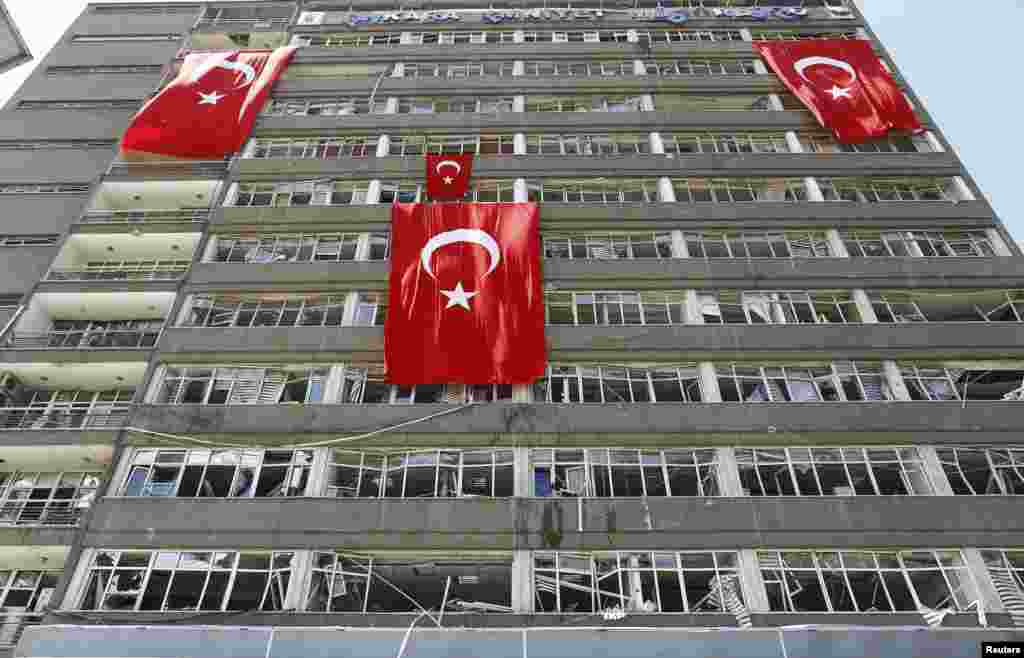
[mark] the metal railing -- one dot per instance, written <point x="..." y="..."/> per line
<point x="59" y="513"/>
<point x="113" y="415"/>
<point x="147" y="271"/>
<point x="144" y="216"/>
<point x="170" y="168"/>
<point x="84" y="339"/>
<point x="13" y="624"/>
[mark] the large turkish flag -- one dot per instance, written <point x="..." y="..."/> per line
<point x="209" y="109"/>
<point x="844" y="84"/>
<point x="466" y="304"/>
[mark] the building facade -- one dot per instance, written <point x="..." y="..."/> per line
<point x="201" y="452"/>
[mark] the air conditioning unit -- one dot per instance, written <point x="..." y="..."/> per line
<point x="311" y="18"/>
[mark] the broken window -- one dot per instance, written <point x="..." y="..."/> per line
<point x="614" y="308"/>
<point x="634" y="581"/>
<point x="687" y="143"/>
<point x="620" y="472"/>
<point x="347" y="582"/>
<point x="618" y="384"/>
<point x="368" y="385"/>
<point x="791" y="244"/>
<point x="700" y="68"/>
<point x="422" y="474"/>
<point x="977" y="471"/>
<point x="737" y="190"/>
<point x="29" y="591"/>
<point x="228" y="473"/>
<point x="187" y="580"/>
<point x="291" y="248"/>
<point x="782" y="307"/>
<point x="46" y="498"/>
<point x="242" y="385"/>
<point x="66" y="409"/>
<point x="879" y="190"/>
<point x="320" y="106"/>
<point x="1006" y="569"/>
<point x="593" y="190"/>
<point x="324" y="148"/>
<point x="832" y="472"/>
<point x="835" y="382"/>
<point x="866" y="581"/>
<point x="608" y="246"/>
<point x="824" y="143"/>
<point x="265" y="311"/>
<point x="959" y="383"/>
<point x="865" y="243"/>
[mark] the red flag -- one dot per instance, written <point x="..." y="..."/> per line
<point x="844" y="84"/>
<point x="465" y="303"/>
<point x="208" y="111"/>
<point x="448" y="175"/>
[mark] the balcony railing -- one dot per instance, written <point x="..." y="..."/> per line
<point x="144" y="216"/>
<point x="13" y="624"/>
<point x="169" y="168"/>
<point x="52" y="513"/>
<point x="143" y="271"/>
<point x="35" y="418"/>
<point x="84" y="339"/>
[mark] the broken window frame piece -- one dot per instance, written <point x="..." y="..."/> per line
<point x="866" y="581"/>
<point x="462" y="473"/>
<point x="634" y="581"/>
<point x="368" y="384"/>
<point x="844" y="381"/>
<point x="615" y="308"/>
<point x="777" y="307"/>
<point x="608" y="246"/>
<point x="361" y="580"/>
<point x="622" y="383"/>
<point x="46" y="498"/>
<point x="189" y="473"/>
<point x="239" y="385"/>
<point x="134" y="580"/>
<point x="1005" y="565"/>
<point x="624" y="472"/>
<point x="983" y="471"/>
<point x="833" y="471"/>
<point x="940" y="382"/>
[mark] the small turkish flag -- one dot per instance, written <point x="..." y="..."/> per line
<point x="448" y="175"/>
<point x="208" y="111"/>
<point x="844" y="84"/>
<point x="465" y="301"/>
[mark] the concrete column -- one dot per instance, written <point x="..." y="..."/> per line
<point x="836" y="244"/>
<point x="120" y="472"/>
<point x="745" y="33"/>
<point x="754" y="591"/>
<point x="864" y="307"/>
<point x="518" y="68"/>
<point x="986" y="588"/>
<point x="894" y="379"/>
<point x="962" y="191"/>
<point x="231" y="196"/>
<point x="936" y="474"/>
<point x="522" y="581"/>
<point x="298" y="584"/>
<point x="523" y="484"/>
<point x="679" y="245"/>
<point x="250" y="148"/>
<point x="319" y="475"/>
<point x="398" y="70"/>
<point x="519" y="103"/>
<point x="373" y="192"/>
<point x="793" y="142"/>
<point x="519" y="36"/>
<point x="666" y="194"/>
<point x="656" y="143"/>
<point x="405" y="39"/>
<point x="998" y="244"/>
<point x="692" y="309"/>
<point x="728" y="473"/>
<point x="154" y="384"/>
<point x="383" y="146"/>
<point x="934" y="142"/>
<point x="363" y="247"/>
<point x="520" y="193"/>
<point x="759" y="67"/>
<point x="333" y="385"/>
<point x="639" y="68"/>
<point x="709" y="382"/>
<point x="776" y="102"/>
<point x="813" y="190"/>
<point x="79" y="579"/>
<point x="519" y="143"/>
<point x="632" y="36"/>
<point x="348" y="314"/>
<point x="390" y="105"/>
<point x="646" y="103"/>
<point x="210" y="252"/>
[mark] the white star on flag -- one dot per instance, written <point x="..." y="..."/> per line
<point x="839" y="92"/>
<point x="448" y="180"/>
<point x="459" y="297"/>
<point x="210" y="98"/>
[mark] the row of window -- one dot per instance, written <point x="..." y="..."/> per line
<point x="859" y="243"/>
<point x="562" y="582"/>
<point x="597" y="384"/>
<point x="602" y="190"/>
<point x="581" y="144"/>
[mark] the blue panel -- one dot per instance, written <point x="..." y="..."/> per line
<point x="151" y="642"/>
<point x="658" y="644"/>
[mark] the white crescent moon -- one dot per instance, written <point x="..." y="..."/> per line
<point x="802" y="64"/>
<point x="473" y="235"/>
<point x="452" y="163"/>
<point x="212" y="63"/>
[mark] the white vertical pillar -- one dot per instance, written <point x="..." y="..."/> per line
<point x="793" y="142"/>
<point x="383" y="146"/>
<point x="962" y="191"/>
<point x="987" y="591"/>
<point x="121" y="470"/>
<point x="519" y="103"/>
<point x="405" y="39"/>
<point x="813" y="190"/>
<point x="836" y="244"/>
<point x="666" y="193"/>
<point x="694" y="314"/>
<point x="934" y="142"/>
<point x="999" y="246"/>
<point x="390" y="105"/>
<point x="759" y="67"/>
<point x="232" y="195"/>
<point x="154" y="385"/>
<point x="709" y="382"/>
<point x="745" y="34"/>
<point x="679" y="249"/>
<point x="333" y="385"/>
<point x="864" y="308"/>
<point x="632" y="36"/>
<point x="646" y="103"/>
<point x="519" y="143"/>
<point x="520" y="193"/>
<point x="639" y="67"/>
<point x="754" y="591"/>
<point x="518" y="68"/>
<point x="398" y="70"/>
<point x="519" y="36"/>
<point x="319" y="477"/>
<point x="210" y="252"/>
<point x="728" y="473"/>
<point x="522" y="581"/>
<point x="523" y="483"/>
<point x="373" y="192"/>
<point x="776" y="102"/>
<point x="894" y="379"/>
<point x="933" y="469"/>
<point x="298" y="585"/>
<point x="75" y="589"/>
<point x="657" y="145"/>
<point x="348" y="313"/>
